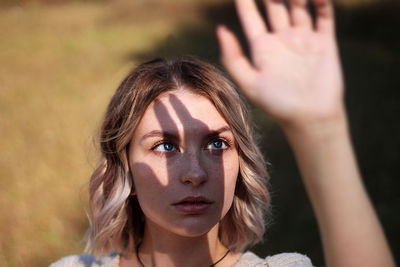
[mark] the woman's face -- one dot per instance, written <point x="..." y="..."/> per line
<point x="184" y="164"/>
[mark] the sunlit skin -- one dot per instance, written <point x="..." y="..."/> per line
<point x="294" y="75"/>
<point x="183" y="147"/>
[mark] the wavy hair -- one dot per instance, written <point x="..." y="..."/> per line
<point x="117" y="221"/>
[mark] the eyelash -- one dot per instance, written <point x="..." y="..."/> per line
<point x="162" y="142"/>
<point x="225" y="142"/>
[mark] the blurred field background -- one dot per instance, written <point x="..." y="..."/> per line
<point x="62" y="60"/>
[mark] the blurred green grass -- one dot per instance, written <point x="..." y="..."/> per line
<point x="60" y="63"/>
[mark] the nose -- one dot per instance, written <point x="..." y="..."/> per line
<point x="195" y="173"/>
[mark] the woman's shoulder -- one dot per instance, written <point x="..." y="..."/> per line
<point x="248" y="259"/>
<point x="88" y="260"/>
<point x="279" y="260"/>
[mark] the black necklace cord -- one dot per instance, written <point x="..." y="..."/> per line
<point x="223" y="257"/>
<point x="137" y="254"/>
<point x="212" y="265"/>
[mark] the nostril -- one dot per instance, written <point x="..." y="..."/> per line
<point x="195" y="179"/>
<point x="194" y="173"/>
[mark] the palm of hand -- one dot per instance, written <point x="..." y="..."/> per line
<point x="294" y="73"/>
<point x="297" y="74"/>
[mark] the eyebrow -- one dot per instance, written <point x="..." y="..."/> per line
<point x="158" y="133"/>
<point x="174" y="135"/>
<point x="218" y="131"/>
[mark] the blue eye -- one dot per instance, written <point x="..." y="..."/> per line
<point x="217" y="144"/>
<point x="164" y="147"/>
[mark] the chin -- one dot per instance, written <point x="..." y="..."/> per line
<point x="192" y="233"/>
<point x="194" y="228"/>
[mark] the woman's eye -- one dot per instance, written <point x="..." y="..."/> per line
<point x="218" y="144"/>
<point x="164" y="147"/>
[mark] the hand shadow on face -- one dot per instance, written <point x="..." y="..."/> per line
<point x="193" y="177"/>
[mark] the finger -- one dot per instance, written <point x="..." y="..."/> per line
<point x="164" y="118"/>
<point x="278" y="15"/>
<point x="234" y="60"/>
<point x="300" y="15"/>
<point x="325" y="16"/>
<point x="250" y="18"/>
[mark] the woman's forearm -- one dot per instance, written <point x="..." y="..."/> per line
<point x="350" y="230"/>
<point x="294" y="74"/>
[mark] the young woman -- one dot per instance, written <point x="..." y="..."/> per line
<point x="181" y="181"/>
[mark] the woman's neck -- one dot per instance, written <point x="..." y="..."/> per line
<point x="163" y="248"/>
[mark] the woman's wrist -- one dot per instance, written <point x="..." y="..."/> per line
<point x="317" y="129"/>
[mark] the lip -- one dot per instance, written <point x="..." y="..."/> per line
<point x="193" y="205"/>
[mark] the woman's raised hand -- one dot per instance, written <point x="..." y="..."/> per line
<point x="294" y="73"/>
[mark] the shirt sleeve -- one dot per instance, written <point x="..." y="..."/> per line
<point x="87" y="260"/>
<point x="73" y="260"/>
<point x="288" y="260"/>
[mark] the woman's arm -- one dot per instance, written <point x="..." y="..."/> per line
<point x="295" y="76"/>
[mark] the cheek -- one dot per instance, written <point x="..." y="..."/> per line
<point x="146" y="176"/>
<point x="231" y="167"/>
<point x="149" y="182"/>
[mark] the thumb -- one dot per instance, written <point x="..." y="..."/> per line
<point x="234" y="60"/>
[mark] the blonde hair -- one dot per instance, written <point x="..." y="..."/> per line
<point x="117" y="221"/>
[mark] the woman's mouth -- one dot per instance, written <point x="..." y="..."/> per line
<point x="192" y="205"/>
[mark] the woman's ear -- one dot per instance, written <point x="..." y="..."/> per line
<point x="133" y="190"/>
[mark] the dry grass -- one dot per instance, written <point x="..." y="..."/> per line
<point x="60" y="64"/>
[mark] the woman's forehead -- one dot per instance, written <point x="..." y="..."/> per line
<point x="181" y="110"/>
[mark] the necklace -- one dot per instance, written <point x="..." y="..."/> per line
<point x="212" y="265"/>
